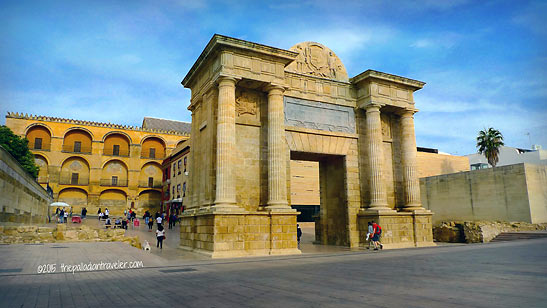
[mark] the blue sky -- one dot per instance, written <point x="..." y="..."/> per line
<point x="484" y="62"/>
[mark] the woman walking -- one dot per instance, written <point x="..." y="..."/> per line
<point x="160" y="235"/>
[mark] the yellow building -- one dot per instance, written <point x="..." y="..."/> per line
<point x="98" y="165"/>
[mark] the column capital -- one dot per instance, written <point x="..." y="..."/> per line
<point x="273" y="88"/>
<point x="226" y="80"/>
<point x="407" y="112"/>
<point x="372" y="107"/>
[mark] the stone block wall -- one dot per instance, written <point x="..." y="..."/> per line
<point x="22" y="199"/>
<point x="239" y="235"/>
<point x="506" y="193"/>
<point x="400" y="229"/>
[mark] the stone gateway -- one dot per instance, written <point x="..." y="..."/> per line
<point x="255" y="108"/>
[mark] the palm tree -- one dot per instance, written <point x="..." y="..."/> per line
<point x="489" y="143"/>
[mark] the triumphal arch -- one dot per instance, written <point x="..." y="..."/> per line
<point x="256" y="107"/>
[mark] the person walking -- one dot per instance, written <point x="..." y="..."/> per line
<point x="376" y="231"/>
<point x="146" y="217"/>
<point x="84" y="212"/>
<point x="150" y="224"/>
<point x="160" y="235"/>
<point x="106" y="212"/>
<point x="171" y="221"/>
<point x="370" y="232"/>
<point x="61" y="215"/>
<point x="298" y="234"/>
<point x="99" y="213"/>
<point x="159" y="220"/>
<point x="66" y="215"/>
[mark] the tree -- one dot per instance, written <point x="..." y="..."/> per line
<point x="18" y="148"/>
<point x="489" y="143"/>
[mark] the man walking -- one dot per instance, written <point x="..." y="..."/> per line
<point x="376" y="231"/>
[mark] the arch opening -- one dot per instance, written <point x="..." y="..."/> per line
<point x="116" y="144"/>
<point x="77" y="141"/>
<point x="74" y="171"/>
<point x="39" y="138"/>
<point x="114" y="173"/>
<point x="153" y="148"/>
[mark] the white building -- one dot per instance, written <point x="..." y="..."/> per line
<point x="510" y="156"/>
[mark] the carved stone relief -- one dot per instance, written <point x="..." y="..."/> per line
<point x="247" y="103"/>
<point x="318" y="115"/>
<point x="317" y="60"/>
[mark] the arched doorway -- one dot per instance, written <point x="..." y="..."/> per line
<point x="113" y="199"/>
<point x="150" y="200"/>
<point x="75" y="197"/>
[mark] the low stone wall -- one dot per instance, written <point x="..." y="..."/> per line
<point x="62" y="233"/>
<point x="479" y="231"/>
<point x="239" y="235"/>
<point x="22" y="200"/>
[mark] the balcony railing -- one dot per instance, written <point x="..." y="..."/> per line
<point x="39" y="147"/>
<point x="67" y="180"/>
<point x="115" y="183"/>
<point x="111" y="152"/>
<point x="72" y="149"/>
<point x="157" y="156"/>
<point x="155" y="184"/>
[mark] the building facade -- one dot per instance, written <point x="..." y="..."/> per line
<point x="175" y="178"/>
<point x="99" y="165"/>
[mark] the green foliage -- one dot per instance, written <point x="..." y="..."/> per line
<point x="18" y="148"/>
<point x="489" y="143"/>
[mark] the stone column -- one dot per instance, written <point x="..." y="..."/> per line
<point x="411" y="183"/>
<point x="377" y="187"/>
<point x="226" y="137"/>
<point x="277" y="172"/>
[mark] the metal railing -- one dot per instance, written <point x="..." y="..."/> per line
<point x="155" y="184"/>
<point x="115" y="183"/>
<point x="42" y="147"/>
<point x="68" y="180"/>
<point x="111" y="152"/>
<point x="156" y="156"/>
<point x="71" y="149"/>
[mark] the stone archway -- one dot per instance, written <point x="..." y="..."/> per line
<point x="264" y="106"/>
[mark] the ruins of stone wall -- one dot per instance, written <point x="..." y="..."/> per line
<point x="22" y="199"/>
<point x="479" y="231"/>
<point x="62" y="233"/>
<point x="507" y="193"/>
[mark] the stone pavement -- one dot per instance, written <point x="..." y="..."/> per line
<point x="508" y="274"/>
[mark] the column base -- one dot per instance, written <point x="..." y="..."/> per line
<point x="399" y="229"/>
<point x="221" y="234"/>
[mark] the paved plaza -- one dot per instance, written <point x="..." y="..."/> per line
<point x="507" y="274"/>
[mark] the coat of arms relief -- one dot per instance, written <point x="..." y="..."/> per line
<point x="317" y="60"/>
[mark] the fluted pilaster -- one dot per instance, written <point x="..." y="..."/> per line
<point x="226" y="133"/>
<point x="377" y="187"/>
<point x="411" y="182"/>
<point x="277" y="172"/>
